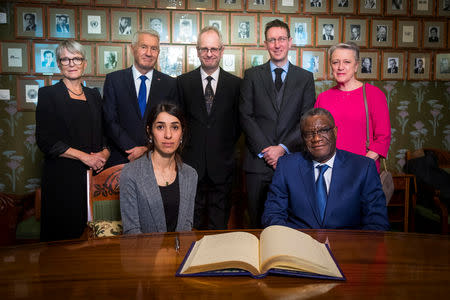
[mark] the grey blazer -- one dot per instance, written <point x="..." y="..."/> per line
<point x="141" y="204"/>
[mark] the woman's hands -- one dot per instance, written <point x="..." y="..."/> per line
<point x="96" y="161"/>
<point x="372" y="155"/>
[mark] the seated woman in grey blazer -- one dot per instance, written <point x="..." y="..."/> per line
<point x="157" y="190"/>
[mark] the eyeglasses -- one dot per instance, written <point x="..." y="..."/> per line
<point x="213" y="51"/>
<point x="323" y="132"/>
<point x="281" y="39"/>
<point x="65" y="61"/>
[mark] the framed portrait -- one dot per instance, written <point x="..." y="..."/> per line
<point x="201" y="4"/>
<point x="382" y="33"/>
<point x="61" y="23"/>
<point x="408" y="33"/>
<point x="77" y="2"/>
<point x="28" y="21"/>
<point x="443" y="9"/>
<point x="157" y="20"/>
<point x="232" y="60"/>
<point x="301" y="31"/>
<point x="193" y="62"/>
<point x="185" y="27"/>
<point x="328" y="31"/>
<point x="356" y="30"/>
<point x="129" y="56"/>
<point x="368" y="67"/>
<point x="255" y="57"/>
<point x="243" y="29"/>
<point x="442" y="66"/>
<point x="315" y="6"/>
<point x="94" y="26"/>
<point x="293" y="56"/>
<point x="397" y="7"/>
<point x="171" y="4"/>
<point x="110" y="2"/>
<point x="287" y="6"/>
<point x="110" y="58"/>
<point x="124" y="23"/>
<point x="15" y="57"/>
<point x="264" y="19"/>
<point x="95" y="83"/>
<point x="27" y="92"/>
<point x="343" y="6"/>
<point x="434" y="34"/>
<point x="313" y="60"/>
<point x="89" y="49"/>
<point x="171" y="60"/>
<point x="141" y="3"/>
<point x="393" y="65"/>
<point x="218" y="20"/>
<point x="231" y="5"/>
<point x="370" y="7"/>
<point x="45" y="58"/>
<point x="259" y="5"/>
<point x="422" y="7"/>
<point x="419" y="66"/>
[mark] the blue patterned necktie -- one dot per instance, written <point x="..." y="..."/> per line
<point x="142" y="97"/>
<point x="321" y="191"/>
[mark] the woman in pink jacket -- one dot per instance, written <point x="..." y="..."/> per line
<point x="345" y="101"/>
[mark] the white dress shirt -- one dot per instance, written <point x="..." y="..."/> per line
<point x="328" y="172"/>
<point x="215" y="77"/>
<point x="137" y="81"/>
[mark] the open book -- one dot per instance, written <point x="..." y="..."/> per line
<point x="280" y="250"/>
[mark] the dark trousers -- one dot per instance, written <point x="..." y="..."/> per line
<point x="257" y="188"/>
<point x="212" y="205"/>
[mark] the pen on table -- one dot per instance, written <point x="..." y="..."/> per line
<point x="177" y="244"/>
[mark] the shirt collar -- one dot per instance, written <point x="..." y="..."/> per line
<point x="285" y="67"/>
<point x="214" y="75"/>
<point x="329" y="163"/>
<point x="136" y="73"/>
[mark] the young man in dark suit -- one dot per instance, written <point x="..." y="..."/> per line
<point x="210" y="97"/>
<point x="129" y="96"/>
<point x="273" y="98"/>
<point x="324" y="187"/>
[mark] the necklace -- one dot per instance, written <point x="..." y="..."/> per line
<point x="82" y="92"/>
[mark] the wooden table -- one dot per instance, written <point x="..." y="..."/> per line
<point x="377" y="266"/>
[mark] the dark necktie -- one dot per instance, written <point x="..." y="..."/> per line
<point x="142" y="97"/>
<point x="321" y="190"/>
<point x="209" y="94"/>
<point x="278" y="81"/>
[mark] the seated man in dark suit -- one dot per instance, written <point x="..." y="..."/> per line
<point x="324" y="187"/>
<point x="130" y="94"/>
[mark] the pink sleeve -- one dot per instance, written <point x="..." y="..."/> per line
<point x="381" y="124"/>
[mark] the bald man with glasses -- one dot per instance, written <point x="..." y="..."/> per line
<point x="210" y="98"/>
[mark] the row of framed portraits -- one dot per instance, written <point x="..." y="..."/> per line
<point x="371" y="7"/>
<point x="306" y="31"/>
<point x="392" y="65"/>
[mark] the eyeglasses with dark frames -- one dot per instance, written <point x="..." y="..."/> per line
<point x="323" y="132"/>
<point x="213" y="51"/>
<point x="65" y="61"/>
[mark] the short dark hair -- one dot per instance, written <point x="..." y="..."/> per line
<point x="277" y="23"/>
<point x="29" y="14"/>
<point x="318" y="111"/>
<point x="172" y="110"/>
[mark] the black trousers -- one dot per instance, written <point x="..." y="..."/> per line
<point x="257" y="188"/>
<point x="212" y="205"/>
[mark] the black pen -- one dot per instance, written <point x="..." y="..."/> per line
<point x="177" y="244"/>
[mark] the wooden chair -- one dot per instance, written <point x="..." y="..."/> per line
<point x="103" y="199"/>
<point x="426" y="193"/>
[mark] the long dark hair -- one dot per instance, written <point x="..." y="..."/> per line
<point x="172" y="110"/>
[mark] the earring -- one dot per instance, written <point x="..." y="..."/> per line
<point x="150" y="140"/>
<point x="181" y="141"/>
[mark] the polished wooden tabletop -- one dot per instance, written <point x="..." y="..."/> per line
<point x="377" y="266"/>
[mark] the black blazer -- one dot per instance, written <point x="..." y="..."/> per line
<point x="124" y="125"/>
<point x="263" y="123"/>
<point x="211" y="138"/>
<point x="52" y="124"/>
